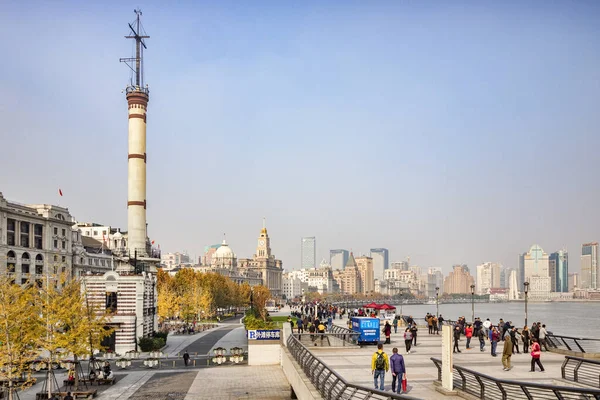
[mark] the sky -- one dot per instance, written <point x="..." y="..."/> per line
<point x="450" y="132"/>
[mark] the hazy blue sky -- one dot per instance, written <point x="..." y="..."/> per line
<point x="451" y="132"/>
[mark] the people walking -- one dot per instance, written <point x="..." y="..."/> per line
<point x="186" y="358"/>
<point x="535" y="355"/>
<point x="495" y="339"/>
<point x="398" y="370"/>
<point x="395" y="324"/>
<point x="408" y="339"/>
<point x="481" y="336"/>
<point x="525" y="334"/>
<point x="507" y="351"/>
<point x="414" y="329"/>
<point x="469" y="335"/>
<point x="387" y="331"/>
<point x="514" y="337"/>
<point x="379" y="365"/>
<point x="455" y="349"/>
<point x="543" y="334"/>
<point x="440" y="323"/>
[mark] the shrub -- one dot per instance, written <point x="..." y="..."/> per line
<point x="158" y="343"/>
<point x="146" y="344"/>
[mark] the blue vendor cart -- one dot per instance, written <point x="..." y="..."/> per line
<point x="368" y="328"/>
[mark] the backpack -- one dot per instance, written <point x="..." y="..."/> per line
<point x="380" y="361"/>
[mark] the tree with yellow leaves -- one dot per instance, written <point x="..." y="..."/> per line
<point x="20" y="327"/>
<point x="72" y="325"/>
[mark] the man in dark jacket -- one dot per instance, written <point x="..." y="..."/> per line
<point x="456" y="339"/>
<point x="398" y="370"/>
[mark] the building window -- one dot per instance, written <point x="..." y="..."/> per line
<point x="38" y="241"/>
<point x="11" y="225"/>
<point x="55" y="244"/>
<point x="103" y="232"/>
<point x="55" y="231"/>
<point x="64" y="258"/>
<point x="55" y="258"/>
<point x="96" y="262"/>
<point x="102" y="262"/>
<point x="111" y="302"/>
<point x="24" y="234"/>
<point x="64" y="244"/>
<point x="64" y="232"/>
<point x="25" y="268"/>
<point x="89" y="261"/>
<point x="39" y="270"/>
<point x="95" y="233"/>
<point x="81" y="261"/>
<point x="108" y="263"/>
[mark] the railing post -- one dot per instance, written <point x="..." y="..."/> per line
<point x="562" y="367"/>
<point x="565" y="343"/>
<point x="576" y="371"/>
<point x="578" y="345"/>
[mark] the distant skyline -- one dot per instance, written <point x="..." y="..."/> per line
<point x="450" y="132"/>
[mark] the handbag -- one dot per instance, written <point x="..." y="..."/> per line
<point x="404" y="383"/>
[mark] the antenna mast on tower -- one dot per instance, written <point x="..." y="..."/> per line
<point x="139" y="35"/>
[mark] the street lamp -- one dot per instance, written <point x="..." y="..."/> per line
<point x="473" y="303"/>
<point x="526" y="285"/>
<point x="437" y="302"/>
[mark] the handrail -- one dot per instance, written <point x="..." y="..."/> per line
<point x="329" y="383"/>
<point x="574" y="344"/>
<point x="488" y="387"/>
<point x="581" y="370"/>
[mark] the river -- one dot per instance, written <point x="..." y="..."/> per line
<point x="579" y="319"/>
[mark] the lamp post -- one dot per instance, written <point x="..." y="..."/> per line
<point x="526" y="285"/>
<point x="401" y="303"/>
<point x="251" y="299"/>
<point x="437" y="302"/>
<point x="473" y="303"/>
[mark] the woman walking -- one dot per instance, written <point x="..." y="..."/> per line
<point x="387" y="331"/>
<point x="408" y="339"/>
<point x="535" y="355"/>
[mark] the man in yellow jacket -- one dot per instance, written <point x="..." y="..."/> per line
<point x="380" y="363"/>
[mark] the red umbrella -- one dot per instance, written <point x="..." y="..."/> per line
<point x="371" y="305"/>
<point x="386" y="307"/>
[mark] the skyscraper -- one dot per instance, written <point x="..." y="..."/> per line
<point x="308" y="252"/>
<point x="488" y="277"/>
<point x="338" y="258"/>
<point x="380" y="262"/>
<point x="536" y="263"/>
<point x="589" y="266"/>
<point x="365" y="266"/>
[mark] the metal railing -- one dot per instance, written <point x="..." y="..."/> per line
<point x="488" y="387"/>
<point x="581" y="370"/>
<point x="330" y="384"/>
<point x="569" y="343"/>
<point x="328" y="339"/>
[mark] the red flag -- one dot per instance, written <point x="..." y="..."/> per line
<point x="60" y="192"/>
<point x="153" y="242"/>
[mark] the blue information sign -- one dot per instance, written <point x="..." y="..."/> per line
<point x="263" y="334"/>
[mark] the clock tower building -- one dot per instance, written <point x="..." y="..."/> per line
<point x="264" y="262"/>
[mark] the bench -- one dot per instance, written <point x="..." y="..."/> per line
<point x="61" y="395"/>
<point x="97" y="381"/>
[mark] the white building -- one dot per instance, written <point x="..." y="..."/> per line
<point x="174" y="259"/>
<point x="35" y="241"/>
<point x="539" y="288"/>
<point x="513" y="289"/>
<point x="488" y="277"/>
<point x="292" y="286"/>
<point x="321" y="278"/>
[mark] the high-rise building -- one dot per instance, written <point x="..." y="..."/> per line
<point x="365" y="266"/>
<point x="435" y="278"/>
<point x="338" y="258"/>
<point x="559" y="271"/>
<point x="536" y="263"/>
<point x="589" y="266"/>
<point x="308" y="252"/>
<point x="401" y="265"/>
<point x="573" y="282"/>
<point x="513" y="290"/>
<point x="459" y="281"/>
<point x="380" y="262"/>
<point x="349" y="279"/>
<point x="488" y="277"/>
<point x="521" y="271"/>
